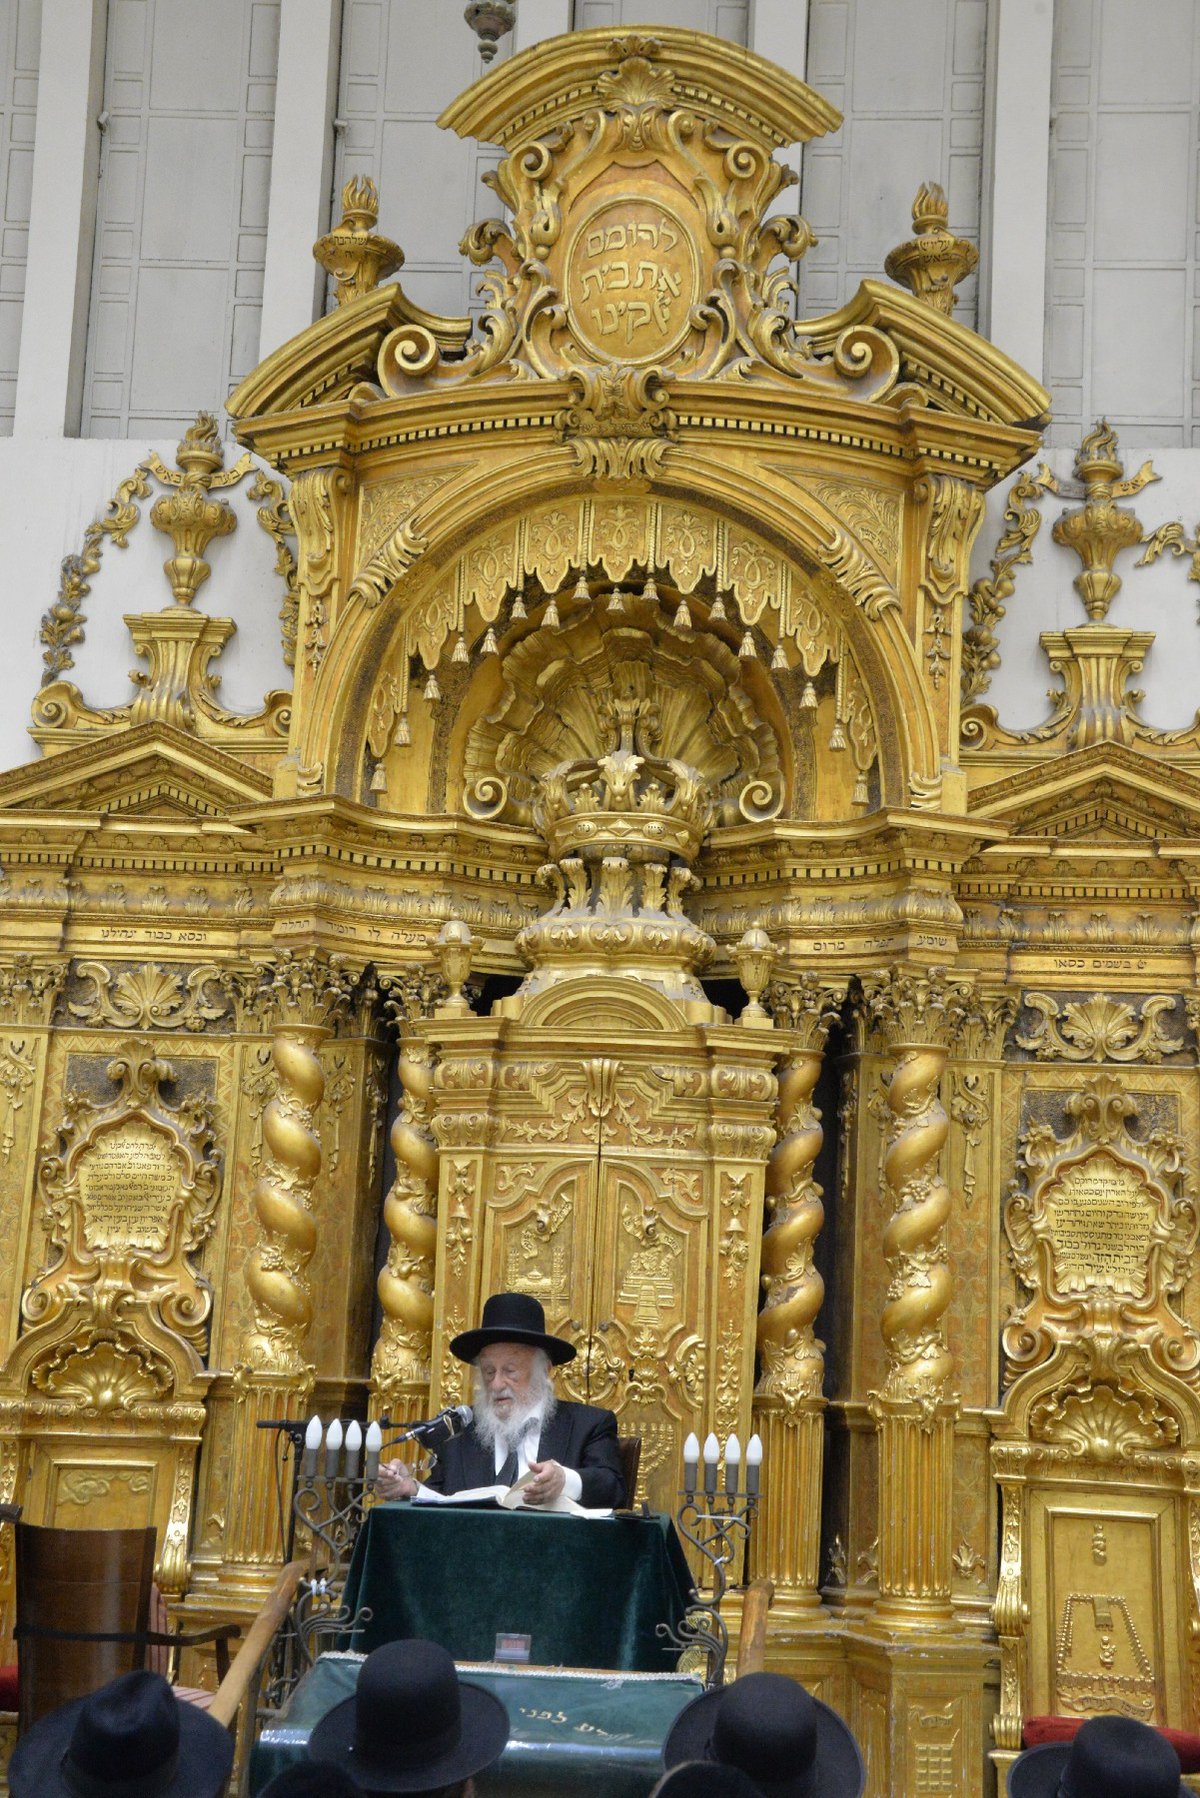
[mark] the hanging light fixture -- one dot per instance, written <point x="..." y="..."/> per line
<point x="490" y="20"/>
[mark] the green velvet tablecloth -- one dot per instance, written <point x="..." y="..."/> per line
<point x="589" y="1591"/>
<point x="592" y="1734"/>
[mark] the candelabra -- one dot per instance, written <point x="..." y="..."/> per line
<point x="333" y="1490"/>
<point x="718" y="1524"/>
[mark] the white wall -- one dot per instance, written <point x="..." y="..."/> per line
<point x="1014" y="105"/>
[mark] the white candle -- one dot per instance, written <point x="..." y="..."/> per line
<point x="374" y="1449"/>
<point x="333" y="1448"/>
<point x="712" y="1454"/>
<point x="753" y="1463"/>
<point x="691" y="1461"/>
<point x="312" y="1442"/>
<point x="353" y="1448"/>
<point x="733" y="1463"/>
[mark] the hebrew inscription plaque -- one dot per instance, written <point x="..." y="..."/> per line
<point x="1100" y="1219"/>
<point x="128" y="1181"/>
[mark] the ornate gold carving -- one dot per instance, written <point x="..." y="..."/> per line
<point x="276" y="1273"/>
<point x="1100" y="1424"/>
<point x="148" y="996"/>
<point x="954" y="513"/>
<point x="619" y="422"/>
<point x="129" y="1199"/>
<point x="1099" y="529"/>
<point x="402" y="1359"/>
<point x="1098" y="1028"/>
<point x="178" y="687"/>
<point x="674" y="269"/>
<point x="29" y="989"/>
<point x="917" y="1013"/>
<point x="1173" y="540"/>
<point x="62" y="626"/>
<point x="352" y="253"/>
<point x="188" y="515"/>
<point x="986" y="600"/>
<point x="932" y="264"/>
<point x="1102" y="1230"/>
<point x="792" y="1359"/>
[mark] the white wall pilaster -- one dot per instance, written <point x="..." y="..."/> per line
<point x="301" y="168"/>
<point x="779" y="31"/>
<point x="1016" y="179"/>
<point x="537" y="19"/>
<point x="62" y="214"/>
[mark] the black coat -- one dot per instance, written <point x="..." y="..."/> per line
<point x="580" y="1436"/>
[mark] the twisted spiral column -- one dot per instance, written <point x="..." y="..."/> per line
<point x="400" y="1365"/>
<point x="915" y="1412"/>
<point x="788" y="1403"/>
<point x="272" y="1379"/>
<point x="277" y="1272"/>
<point x="920" y="1364"/>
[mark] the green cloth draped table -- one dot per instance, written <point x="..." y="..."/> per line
<point x="592" y="1734"/>
<point x="590" y="1592"/>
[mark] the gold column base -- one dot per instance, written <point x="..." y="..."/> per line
<point x="254" y="1542"/>
<point x="916" y="1486"/>
<point x="787" y="1543"/>
<point x="922" y="1721"/>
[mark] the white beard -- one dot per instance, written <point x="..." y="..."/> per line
<point x="507" y="1432"/>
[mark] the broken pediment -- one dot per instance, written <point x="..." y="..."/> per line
<point x="637" y="251"/>
<point x="1104" y="794"/>
<point x="151" y="771"/>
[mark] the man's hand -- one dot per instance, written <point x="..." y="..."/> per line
<point x="395" y="1481"/>
<point x="548" y="1482"/>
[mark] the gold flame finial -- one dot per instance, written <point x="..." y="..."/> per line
<point x="932" y="263"/>
<point x="356" y="257"/>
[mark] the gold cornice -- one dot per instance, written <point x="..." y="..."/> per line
<point x="555" y="82"/>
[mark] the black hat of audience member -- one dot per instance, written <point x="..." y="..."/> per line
<point x="768" y="1727"/>
<point x="705" y="1779"/>
<point x="131" y="1735"/>
<point x="310" y="1779"/>
<point x="512" y="1317"/>
<point x="412" y="1724"/>
<point x="1110" y="1757"/>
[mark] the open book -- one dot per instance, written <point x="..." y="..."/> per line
<point x="507" y="1498"/>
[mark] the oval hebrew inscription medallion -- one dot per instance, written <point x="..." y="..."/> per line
<point x="632" y="281"/>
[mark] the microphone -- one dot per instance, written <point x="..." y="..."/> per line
<point x="436" y="1431"/>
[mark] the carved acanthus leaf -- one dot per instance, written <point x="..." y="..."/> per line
<point x="1098" y="1028"/>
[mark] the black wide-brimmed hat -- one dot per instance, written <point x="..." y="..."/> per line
<point x="412" y="1724"/>
<point x="310" y="1779"/>
<point x="768" y="1727"/>
<point x="705" y="1779"/>
<point x="1110" y="1757"/>
<point x="512" y="1317"/>
<point x="133" y="1735"/>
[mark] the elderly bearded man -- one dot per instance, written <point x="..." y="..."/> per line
<point x="519" y="1425"/>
